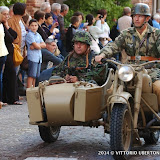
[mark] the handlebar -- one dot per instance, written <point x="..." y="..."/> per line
<point x="112" y="64"/>
<point x="146" y="63"/>
<point x="110" y="60"/>
<point x="133" y="65"/>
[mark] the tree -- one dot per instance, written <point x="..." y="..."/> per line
<point x="10" y="2"/>
<point x="114" y="8"/>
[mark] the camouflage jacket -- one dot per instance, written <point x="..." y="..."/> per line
<point x="75" y="65"/>
<point x="130" y="41"/>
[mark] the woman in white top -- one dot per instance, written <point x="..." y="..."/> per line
<point x="3" y="57"/>
<point x="102" y="14"/>
<point x="94" y="32"/>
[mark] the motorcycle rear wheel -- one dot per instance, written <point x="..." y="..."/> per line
<point x="120" y="130"/>
<point x="49" y="134"/>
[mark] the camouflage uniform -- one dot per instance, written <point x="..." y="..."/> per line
<point x="77" y="67"/>
<point x="80" y="65"/>
<point x="130" y="41"/>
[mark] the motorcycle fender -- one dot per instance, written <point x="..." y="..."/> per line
<point x="59" y="103"/>
<point x="123" y="98"/>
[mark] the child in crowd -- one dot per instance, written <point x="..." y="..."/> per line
<point x="81" y="18"/>
<point x="75" y="21"/>
<point x="49" y="22"/>
<point x="34" y="45"/>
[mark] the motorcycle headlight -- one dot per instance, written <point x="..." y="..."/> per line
<point x="126" y="73"/>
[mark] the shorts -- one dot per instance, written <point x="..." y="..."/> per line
<point x="34" y="69"/>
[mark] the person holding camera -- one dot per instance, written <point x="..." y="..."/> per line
<point x="104" y="37"/>
<point x="94" y="32"/>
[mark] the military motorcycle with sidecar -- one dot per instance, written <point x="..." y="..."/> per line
<point x="125" y="105"/>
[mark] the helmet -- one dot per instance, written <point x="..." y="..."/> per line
<point x="142" y="9"/>
<point x="82" y="36"/>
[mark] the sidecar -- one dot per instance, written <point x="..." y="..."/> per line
<point x="55" y="103"/>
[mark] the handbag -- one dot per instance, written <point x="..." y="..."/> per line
<point x="96" y="47"/>
<point x="24" y="64"/>
<point x="17" y="57"/>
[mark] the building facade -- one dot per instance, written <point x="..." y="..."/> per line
<point x="156" y="5"/>
<point x="153" y="4"/>
<point x="34" y="5"/>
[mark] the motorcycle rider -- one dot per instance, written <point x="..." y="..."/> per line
<point x="78" y="66"/>
<point x="141" y="42"/>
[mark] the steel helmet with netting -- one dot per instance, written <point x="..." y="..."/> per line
<point x="82" y="36"/>
<point x="141" y="9"/>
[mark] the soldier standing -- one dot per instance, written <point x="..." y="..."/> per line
<point x="141" y="40"/>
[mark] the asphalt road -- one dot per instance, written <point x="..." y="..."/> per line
<point x="19" y="140"/>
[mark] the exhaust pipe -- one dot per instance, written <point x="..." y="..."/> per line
<point x="150" y="123"/>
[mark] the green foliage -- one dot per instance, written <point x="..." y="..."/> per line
<point x="10" y="2"/>
<point x="114" y="8"/>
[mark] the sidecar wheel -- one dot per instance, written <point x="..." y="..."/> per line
<point x="152" y="138"/>
<point x="120" y="130"/>
<point x="49" y="134"/>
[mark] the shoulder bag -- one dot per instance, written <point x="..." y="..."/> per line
<point x="17" y="57"/>
<point x="99" y="44"/>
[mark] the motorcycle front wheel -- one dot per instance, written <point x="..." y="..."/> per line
<point x="120" y="130"/>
